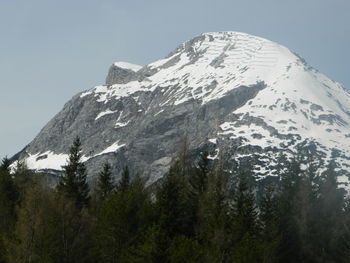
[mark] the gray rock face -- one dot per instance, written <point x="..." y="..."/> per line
<point x="118" y="75"/>
<point x="240" y="96"/>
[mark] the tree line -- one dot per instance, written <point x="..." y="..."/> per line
<point x="198" y="212"/>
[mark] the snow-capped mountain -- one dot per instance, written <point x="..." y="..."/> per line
<point x="229" y="91"/>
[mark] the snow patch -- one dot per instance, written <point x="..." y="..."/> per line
<point x="214" y="140"/>
<point x="46" y="160"/>
<point x="127" y="65"/>
<point x="86" y="93"/>
<point x="113" y="148"/>
<point x="214" y="157"/>
<point x="121" y="124"/>
<point x="101" y="114"/>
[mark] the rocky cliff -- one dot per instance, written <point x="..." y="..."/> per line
<point x="250" y="98"/>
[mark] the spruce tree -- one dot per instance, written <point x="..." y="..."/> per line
<point x="121" y="222"/>
<point x="198" y="184"/>
<point x="5" y="164"/>
<point x="105" y="184"/>
<point x="73" y="181"/>
<point x="125" y="180"/>
<point x="245" y="225"/>
<point x="213" y="227"/>
<point x="171" y="204"/>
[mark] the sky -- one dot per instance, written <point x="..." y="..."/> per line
<point x="52" y="49"/>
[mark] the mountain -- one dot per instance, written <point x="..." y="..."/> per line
<point x="235" y="94"/>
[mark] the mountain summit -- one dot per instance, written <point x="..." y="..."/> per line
<point x="248" y="97"/>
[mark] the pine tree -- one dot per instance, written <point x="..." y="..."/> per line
<point x="73" y="181"/>
<point x="105" y="184"/>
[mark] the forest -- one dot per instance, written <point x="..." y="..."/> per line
<point x="198" y="212"/>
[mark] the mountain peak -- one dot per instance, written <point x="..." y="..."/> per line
<point x="230" y="48"/>
<point x="231" y="59"/>
<point x="227" y="91"/>
<point x="121" y="72"/>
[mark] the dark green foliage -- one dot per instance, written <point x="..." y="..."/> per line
<point x="332" y="219"/>
<point x="198" y="184"/>
<point x="105" y="184"/>
<point x="268" y="220"/>
<point x="175" y="208"/>
<point x="199" y="178"/>
<point x="72" y="184"/>
<point x="268" y="206"/>
<point x="8" y="199"/>
<point x="185" y="250"/>
<point x="152" y="249"/>
<point x="289" y="246"/>
<point x="71" y="198"/>
<point x="246" y="229"/>
<point x="305" y="217"/>
<point x="244" y="208"/>
<point x="171" y="204"/>
<point x="200" y="211"/>
<point x="120" y="221"/>
<point x="337" y="248"/>
<point x="5" y="164"/>
<point x="73" y="224"/>
<point x="36" y="233"/>
<point x="213" y="228"/>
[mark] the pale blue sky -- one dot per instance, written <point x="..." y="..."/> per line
<point x="50" y="50"/>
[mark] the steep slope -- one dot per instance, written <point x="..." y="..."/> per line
<point x="246" y="96"/>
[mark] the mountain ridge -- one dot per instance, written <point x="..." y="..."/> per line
<point x="247" y="94"/>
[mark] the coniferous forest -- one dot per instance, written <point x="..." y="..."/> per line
<point x="198" y="212"/>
